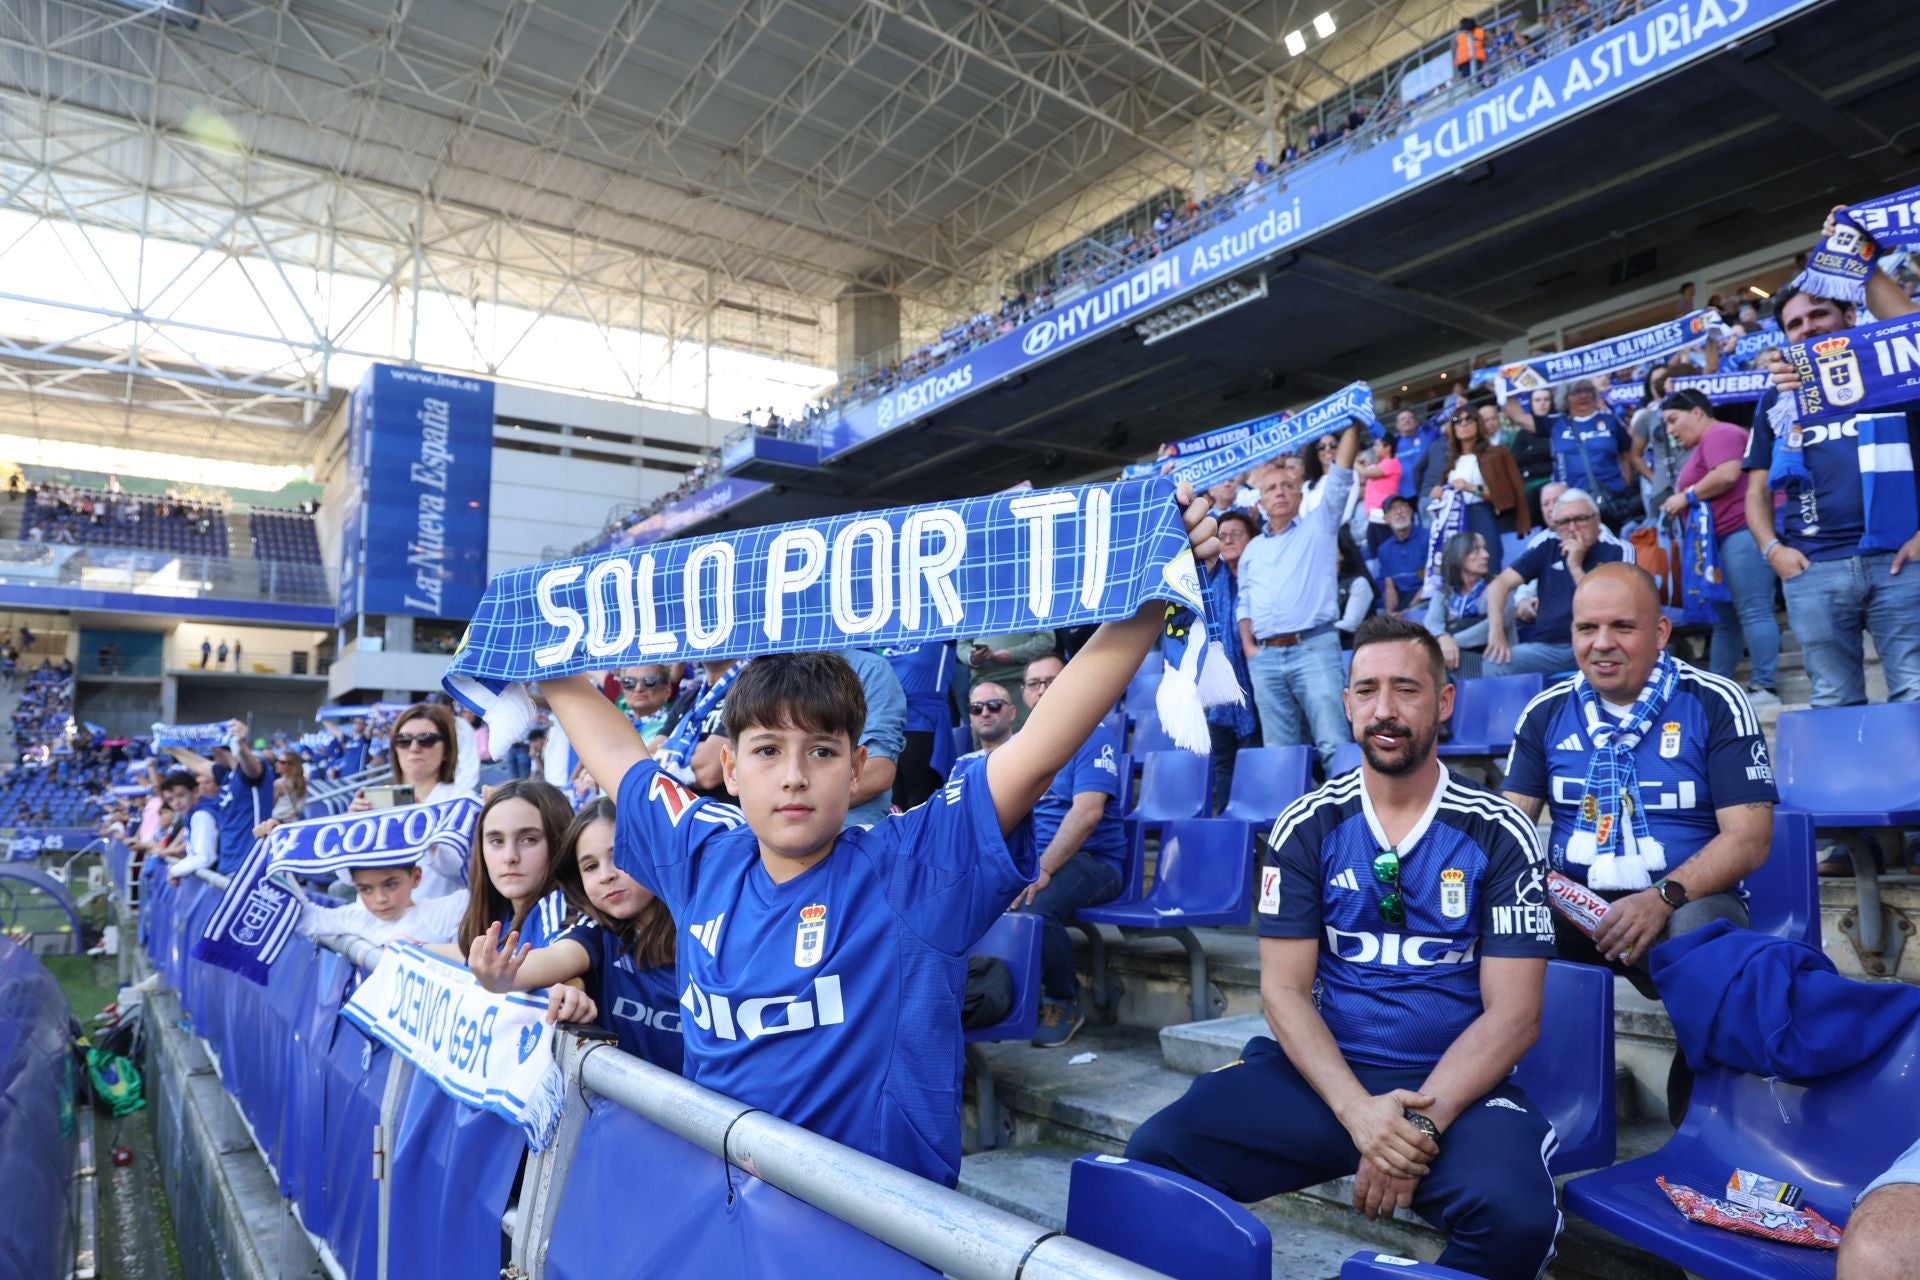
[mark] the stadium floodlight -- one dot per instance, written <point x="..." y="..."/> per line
<point x="1323" y="25"/>
<point x="1296" y="43"/>
<point x="1201" y="307"/>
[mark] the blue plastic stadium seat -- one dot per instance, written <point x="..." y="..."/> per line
<point x="1829" y="1136"/>
<point x="1832" y="762"/>
<point x="1203" y="878"/>
<point x="1485" y="712"/>
<point x="1783" y="896"/>
<point x="1165" y="1221"/>
<point x="1568" y="1073"/>
<point x="1346" y="758"/>
<point x="1173" y="784"/>
<point x="962" y="740"/>
<point x="1015" y="939"/>
<point x="1369" y="1265"/>
<point x="1148" y="736"/>
<point x="1138" y="701"/>
<point x="1511" y="545"/>
<point x="1266" y="780"/>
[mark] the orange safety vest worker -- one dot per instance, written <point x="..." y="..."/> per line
<point x="1469" y="46"/>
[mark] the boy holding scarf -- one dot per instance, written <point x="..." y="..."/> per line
<point x="1656" y="776"/>
<point x="1846" y="529"/>
<point x="825" y="982"/>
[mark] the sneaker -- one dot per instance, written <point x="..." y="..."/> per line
<point x="1762" y="697"/>
<point x="1058" y="1022"/>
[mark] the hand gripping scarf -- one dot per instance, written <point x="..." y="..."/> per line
<point x="1611" y="838"/>
<point x="193" y="737"/>
<point x="256" y="916"/>
<point x="1870" y="374"/>
<point x="1702" y="584"/>
<point x="1045" y="559"/>
<point x="1652" y="343"/>
<point x="1841" y="264"/>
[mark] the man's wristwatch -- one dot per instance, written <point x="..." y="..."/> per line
<point x="1672" y="892"/>
<point x="1421" y="1123"/>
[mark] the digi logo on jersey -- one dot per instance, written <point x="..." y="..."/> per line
<point x="627" y="1009"/>
<point x="748" y="1019"/>
<point x="1653" y="795"/>
<point x="1413" y="950"/>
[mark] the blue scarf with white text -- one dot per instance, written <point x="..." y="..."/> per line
<point x="1608" y="355"/>
<point x="1842" y="263"/>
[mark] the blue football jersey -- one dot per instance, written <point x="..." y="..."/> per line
<point x="1473" y="880"/>
<point x="1824" y="520"/>
<point x="832" y="1000"/>
<point x="924" y="671"/>
<point x="546" y="921"/>
<point x="1596" y="440"/>
<point x="1094" y="767"/>
<point x="245" y="803"/>
<point x="639" y="1006"/>
<point x="1706" y="752"/>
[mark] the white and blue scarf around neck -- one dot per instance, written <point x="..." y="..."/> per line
<point x="199" y="738"/>
<point x="248" y="930"/>
<point x="1870" y="374"/>
<point x="1611" y="837"/>
<point x="1041" y="560"/>
<point x="1273" y="437"/>
<point x="1703" y="583"/>
<point x="1608" y="355"/>
<point x="1841" y="264"/>
<point x="676" y="753"/>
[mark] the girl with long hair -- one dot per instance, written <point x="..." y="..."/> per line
<point x="513" y="891"/>
<point x="622" y="952"/>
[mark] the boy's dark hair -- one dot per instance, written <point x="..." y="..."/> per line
<point x="816" y="692"/>
<point x="180" y="778"/>
<point x="1384" y="628"/>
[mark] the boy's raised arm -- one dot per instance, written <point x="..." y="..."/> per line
<point x="600" y="732"/>
<point x="1086" y="689"/>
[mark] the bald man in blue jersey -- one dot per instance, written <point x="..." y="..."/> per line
<point x="1404" y="935"/>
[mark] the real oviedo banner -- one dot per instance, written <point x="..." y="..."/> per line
<point x="420" y="463"/>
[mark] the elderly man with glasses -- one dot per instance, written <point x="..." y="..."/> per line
<point x="1556" y="565"/>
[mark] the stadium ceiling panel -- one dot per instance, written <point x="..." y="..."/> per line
<point x="697" y="154"/>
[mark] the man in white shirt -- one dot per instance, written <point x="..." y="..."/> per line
<point x="1288" y="603"/>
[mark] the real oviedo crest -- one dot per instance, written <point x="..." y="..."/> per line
<point x="810" y="939"/>
<point x="1453" y="893"/>
<point x="1839" y="370"/>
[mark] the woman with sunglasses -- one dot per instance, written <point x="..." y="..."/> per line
<point x="1485" y="477"/>
<point x="647" y="696"/>
<point x="425" y="752"/>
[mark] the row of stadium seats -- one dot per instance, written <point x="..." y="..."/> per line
<point x="163" y="525"/>
<point x="284" y="536"/>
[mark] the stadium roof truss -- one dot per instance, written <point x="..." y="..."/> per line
<point x="431" y="180"/>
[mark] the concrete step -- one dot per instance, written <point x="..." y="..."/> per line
<point x="1098" y="1105"/>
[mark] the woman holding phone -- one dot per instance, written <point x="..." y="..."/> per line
<point x="425" y="754"/>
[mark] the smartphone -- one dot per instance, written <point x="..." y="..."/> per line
<point x="387" y="796"/>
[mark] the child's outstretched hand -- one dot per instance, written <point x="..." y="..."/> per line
<point x="1202" y="532"/>
<point x="570" y="1004"/>
<point x="494" y="966"/>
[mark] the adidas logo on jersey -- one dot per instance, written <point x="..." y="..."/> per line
<point x="1569" y="743"/>
<point x="728" y="1021"/>
<point x="708" y="934"/>
<point x="1345" y="880"/>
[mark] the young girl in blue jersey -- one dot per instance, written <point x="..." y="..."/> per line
<point x="826" y="968"/>
<point x="622" y="950"/>
<point x="511" y="870"/>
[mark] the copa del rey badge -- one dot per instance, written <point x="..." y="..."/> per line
<point x="810" y="939"/>
<point x="1453" y="893"/>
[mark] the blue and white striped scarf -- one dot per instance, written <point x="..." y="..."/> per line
<point x="1702" y="583"/>
<point x="1608" y="355"/>
<point x="256" y="916"/>
<point x="1841" y="264"/>
<point x="1042" y="560"/>
<point x="1281" y="435"/>
<point x="193" y="737"/>
<point x="1611" y="837"/>
<point x="676" y="752"/>
<point x="1870" y="374"/>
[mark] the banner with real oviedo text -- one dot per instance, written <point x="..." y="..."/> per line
<point x="1324" y="193"/>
